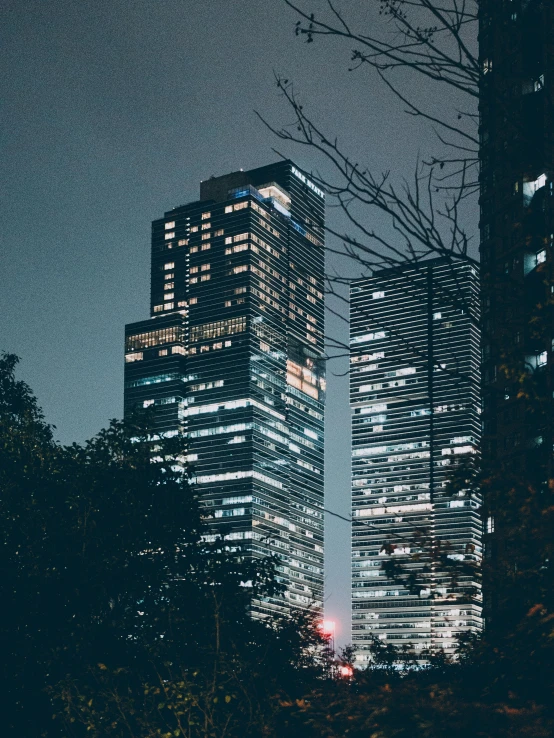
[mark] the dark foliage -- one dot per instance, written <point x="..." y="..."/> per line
<point x="118" y="618"/>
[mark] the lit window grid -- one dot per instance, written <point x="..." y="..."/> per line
<point x="259" y="444"/>
<point x="312" y="331"/>
<point x="446" y="526"/>
<point x="259" y="301"/>
<point x="148" y="339"/>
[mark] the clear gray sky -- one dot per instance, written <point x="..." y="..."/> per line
<point x="113" y="111"/>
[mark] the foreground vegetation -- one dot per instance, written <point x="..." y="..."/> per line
<point x="119" y="620"/>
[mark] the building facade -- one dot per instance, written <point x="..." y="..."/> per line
<point x="415" y="400"/>
<point x="517" y="234"/>
<point x="231" y="357"/>
<point x="517" y="238"/>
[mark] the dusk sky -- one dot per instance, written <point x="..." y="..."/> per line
<point x="112" y="114"/>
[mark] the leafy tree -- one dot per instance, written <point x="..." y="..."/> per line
<point x="447" y="700"/>
<point x="120" y="619"/>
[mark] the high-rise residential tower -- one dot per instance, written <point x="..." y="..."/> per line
<point x="232" y="357"/>
<point x="517" y="234"/>
<point x="516" y="106"/>
<point x="414" y="393"/>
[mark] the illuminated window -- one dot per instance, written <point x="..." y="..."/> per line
<point x="240" y="205"/>
<point x="169" y="236"/>
<point x="530" y="187"/>
<point x="205" y="216"/>
<point x="230" y="513"/>
<point x="229" y="209"/>
<point x="193" y="249"/>
<point x="206" y="385"/>
<point x="219" y="232"/>
<point x="378" y="295"/>
<point x="217" y="329"/>
<point x="206" y="226"/>
<point x="194" y="229"/>
<point x="193" y="280"/>
<point x="183" y="242"/>
<point x="238" y="237"/>
<point x="138" y="356"/>
<point x="205" y="278"/>
<point x="538" y="83"/>
<point x="168" y="306"/>
<point x="217" y="345"/>
<point x="193" y="270"/>
<point x="169" y="295"/>
<point x="206" y="246"/>
<point x="169" y="265"/>
<point x="179" y="350"/>
<point x="401" y="372"/>
<point x="158" y="308"/>
<point x="162" y="352"/>
<point x="239" y="269"/>
<point x="169" y="285"/>
<point x="206" y="236"/>
<point x="239" y="290"/>
<point x="155" y="338"/>
<point x="204" y="267"/>
<point x="169" y="275"/>
<point x="170" y="225"/>
<point x="182" y="304"/>
<point x="193" y="301"/>
<point x="154" y="380"/>
<point x="236" y="249"/>
<point x="227" y="303"/>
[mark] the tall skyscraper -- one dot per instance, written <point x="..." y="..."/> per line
<point x="232" y="357"/>
<point x="517" y="235"/>
<point x="415" y="398"/>
<point x="517" y="238"/>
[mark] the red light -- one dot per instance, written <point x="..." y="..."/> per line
<point x="327" y="627"/>
<point x="346" y="671"/>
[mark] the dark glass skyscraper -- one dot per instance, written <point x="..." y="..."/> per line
<point x="517" y="234"/>
<point x="517" y="239"/>
<point x="414" y="393"/>
<point x="232" y="357"/>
